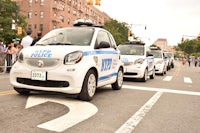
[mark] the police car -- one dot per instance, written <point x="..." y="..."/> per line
<point x="72" y="60"/>
<point x="137" y="62"/>
<point x="160" y="60"/>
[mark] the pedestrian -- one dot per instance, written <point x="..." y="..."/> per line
<point x="183" y="60"/>
<point x="39" y="35"/>
<point x="2" y="54"/>
<point x="27" y="40"/>
<point x="195" y="61"/>
<point x="189" y="61"/>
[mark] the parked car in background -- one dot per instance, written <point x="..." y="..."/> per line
<point x="72" y="60"/>
<point x="170" y="56"/>
<point x="160" y="61"/>
<point x="137" y="62"/>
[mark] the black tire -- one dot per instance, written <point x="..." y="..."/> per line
<point x="153" y="74"/>
<point x="145" y="77"/>
<point x="89" y="86"/>
<point x="22" y="91"/>
<point x="119" y="81"/>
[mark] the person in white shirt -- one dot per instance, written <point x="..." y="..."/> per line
<point x="27" y="40"/>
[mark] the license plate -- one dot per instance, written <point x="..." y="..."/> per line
<point x="38" y="75"/>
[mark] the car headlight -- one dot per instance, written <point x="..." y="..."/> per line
<point x="20" y="57"/>
<point x="139" y="61"/>
<point x="73" y="58"/>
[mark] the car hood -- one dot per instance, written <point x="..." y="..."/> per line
<point x="52" y="51"/>
<point x="131" y="58"/>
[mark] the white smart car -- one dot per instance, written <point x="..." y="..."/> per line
<point x="137" y="62"/>
<point x="72" y="60"/>
<point x="160" y="61"/>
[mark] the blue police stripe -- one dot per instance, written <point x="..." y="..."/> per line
<point x="107" y="76"/>
<point x="86" y="53"/>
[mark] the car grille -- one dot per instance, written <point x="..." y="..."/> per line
<point x="46" y="62"/>
<point x="47" y="83"/>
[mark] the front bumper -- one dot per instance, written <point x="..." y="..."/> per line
<point x="61" y="79"/>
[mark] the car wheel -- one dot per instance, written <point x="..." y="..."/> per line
<point x="153" y="74"/>
<point x="89" y="86"/>
<point x="22" y="91"/>
<point x="118" y="84"/>
<point x="145" y="77"/>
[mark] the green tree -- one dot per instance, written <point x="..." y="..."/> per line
<point x="190" y="47"/>
<point x="119" y="30"/>
<point x="9" y="13"/>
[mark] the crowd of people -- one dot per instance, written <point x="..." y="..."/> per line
<point x="9" y="52"/>
<point x="195" y="60"/>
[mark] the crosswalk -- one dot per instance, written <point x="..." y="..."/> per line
<point x="185" y="79"/>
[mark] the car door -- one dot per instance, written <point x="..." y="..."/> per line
<point x="106" y="56"/>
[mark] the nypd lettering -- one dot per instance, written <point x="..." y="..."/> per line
<point x="42" y="54"/>
<point x="106" y="64"/>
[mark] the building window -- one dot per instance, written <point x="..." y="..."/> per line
<point x="42" y="2"/>
<point x="30" y="2"/>
<point x="62" y="7"/>
<point x="68" y="10"/>
<point x="35" y="26"/>
<point x="29" y="14"/>
<point x="29" y="26"/>
<point x="41" y="14"/>
<point x="74" y="13"/>
<point x="62" y="18"/>
<point x="68" y="21"/>
<point x="41" y="27"/>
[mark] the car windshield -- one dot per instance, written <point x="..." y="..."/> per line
<point x="131" y="49"/>
<point x="67" y="36"/>
<point x="168" y="54"/>
<point x="156" y="54"/>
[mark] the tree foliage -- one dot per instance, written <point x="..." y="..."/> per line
<point x="9" y="12"/>
<point x="190" y="47"/>
<point x="119" y="30"/>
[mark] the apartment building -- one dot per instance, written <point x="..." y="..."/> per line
<point x="46" y="15"/>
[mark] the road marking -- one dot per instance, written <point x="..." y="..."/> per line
<point x="8" y="92"/>
<point x="161" y="90"/>
<point x="132" y="122"/>
<point x="78" y="112"/>
<point x="168" y="78"/>
<point x="187" y="80"/>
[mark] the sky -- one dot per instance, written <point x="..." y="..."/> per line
<point x="168" y="19"/>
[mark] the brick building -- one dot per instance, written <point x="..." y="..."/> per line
<point x="46" y="15"/>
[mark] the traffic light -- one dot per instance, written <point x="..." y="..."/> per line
<point x="89" y="2"/>
<point x="129" y="32"/>
<point x="98" y="2"/>
<point x="198" y="37"/>
<point x="19" y="30"/>
<point x="182" y="40"/>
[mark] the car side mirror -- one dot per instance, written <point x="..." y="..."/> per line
<point x="104" y="44"/>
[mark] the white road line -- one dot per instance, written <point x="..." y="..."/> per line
<point x="187" y="80"/>
<point x="132" y="122"/>
<point x="161" y="90"/>
<point x="168" y="78"/>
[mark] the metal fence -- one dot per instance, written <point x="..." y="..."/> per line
<point x="6" y="62"/>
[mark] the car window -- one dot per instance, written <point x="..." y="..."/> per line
<point x="156" y="54"/>
<point x="68" y="36"/>
<point x="102" y="36"/>
<point x="131" y="49"/>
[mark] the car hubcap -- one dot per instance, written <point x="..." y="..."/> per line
<point x="91" y="85"/>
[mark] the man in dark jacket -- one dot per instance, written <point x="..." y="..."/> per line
<point x="39" y="35"/>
